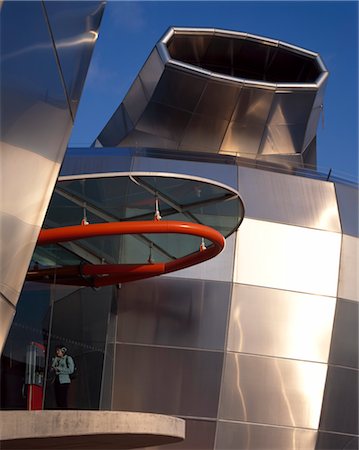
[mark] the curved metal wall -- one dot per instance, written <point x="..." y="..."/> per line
<point x="39" y="94"/>
<point x="221" y="91"/>
<point x="256" y="350"/>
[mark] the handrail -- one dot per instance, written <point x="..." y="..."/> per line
<point x="97" y="275"/>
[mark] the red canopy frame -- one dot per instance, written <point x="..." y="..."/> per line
<point x="97" y="275"/>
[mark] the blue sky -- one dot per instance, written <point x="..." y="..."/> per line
<point x="130" y="30"/>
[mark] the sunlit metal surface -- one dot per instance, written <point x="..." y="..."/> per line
<point x="219" y="268"/>
<point x="294" y="389"/>
<point x="172" y="312"/>
<point x="235" y="436"/>
<point x="74" y="26"/>
<point x="287" y="199"/>
<point x="344" y="349"/>
<point x="36" y="123"/>
<point x="221" y="91"/>
<point x="287" y="324"/>
<point x="180" y="382"/>
<point x="340" y="403"/>
<point x="348" y="204"/>
<point x="287" y="257"/>
<point x="349" y="269"/>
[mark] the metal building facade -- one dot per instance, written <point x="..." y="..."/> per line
<point x="257" y="348"/>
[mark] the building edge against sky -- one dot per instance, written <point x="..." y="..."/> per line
<point x="41" y="80"/>
<point x="272" y="320"/>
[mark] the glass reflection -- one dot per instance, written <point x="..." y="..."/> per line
<point x="134" y="197"/>
<point x="49" y="316"/>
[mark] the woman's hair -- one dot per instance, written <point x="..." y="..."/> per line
<point x="62" y="348"/>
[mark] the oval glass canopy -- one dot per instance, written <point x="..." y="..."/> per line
<point x="135" y="197"/>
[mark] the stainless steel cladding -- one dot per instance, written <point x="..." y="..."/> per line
<point x="40" y="88"/>
<point x="221" y="91"/>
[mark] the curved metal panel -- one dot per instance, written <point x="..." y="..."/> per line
<point x="218" y="100"/>
<point x="289" y="199"/>
<point x="293" y="388"/>
<point x="204" y="133"/>
<point x="340" y="404"/>
<point x="243" y="94"/>
<point x="287" y="324"/>
<point x="287" y="257"/>
<point x="151" y="72"/>
<point x="74" y="26"/>
<point x="287" y="123"/>
<point x="235" y="436"/>
<point x="36" y="120"/>
<point x="314" y="116"/>
<point x="348" y="204"/>
<point x="244" y="134"/>
<point x="191" y="387"/>
<point x="179" y="89"/>
<point x="174" y="313"/>
<point x="344" y="349"/>
<point x="35" y="126"/>
<point x="119" y="124"/>
<point x="349" y="269"/>
<point x="136" y="100"/>
<point x="163" y="121"/>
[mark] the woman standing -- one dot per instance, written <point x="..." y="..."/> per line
<point x="64" y="366"/>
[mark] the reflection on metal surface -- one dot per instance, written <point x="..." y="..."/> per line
<point x="344" y="349"/>
<point x="35" y="126"/>
<point x="348" y="204"/>
<point x="191" y="387"/>
<point x="287" y="257"/>
<point x="106" y="274"/>
<point x="287" y="199"/>
<point x="36" y="123"/>
<point x="235" y="436"/>
<point x="74" y="27"/>
<point x="222" y="92"/>
<point x="172" y="312"/>
<point x="287" y="324"/>
<point x="349" y="268"/>
<point x="340" y="404"/>
<point x="252" y="383"/>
